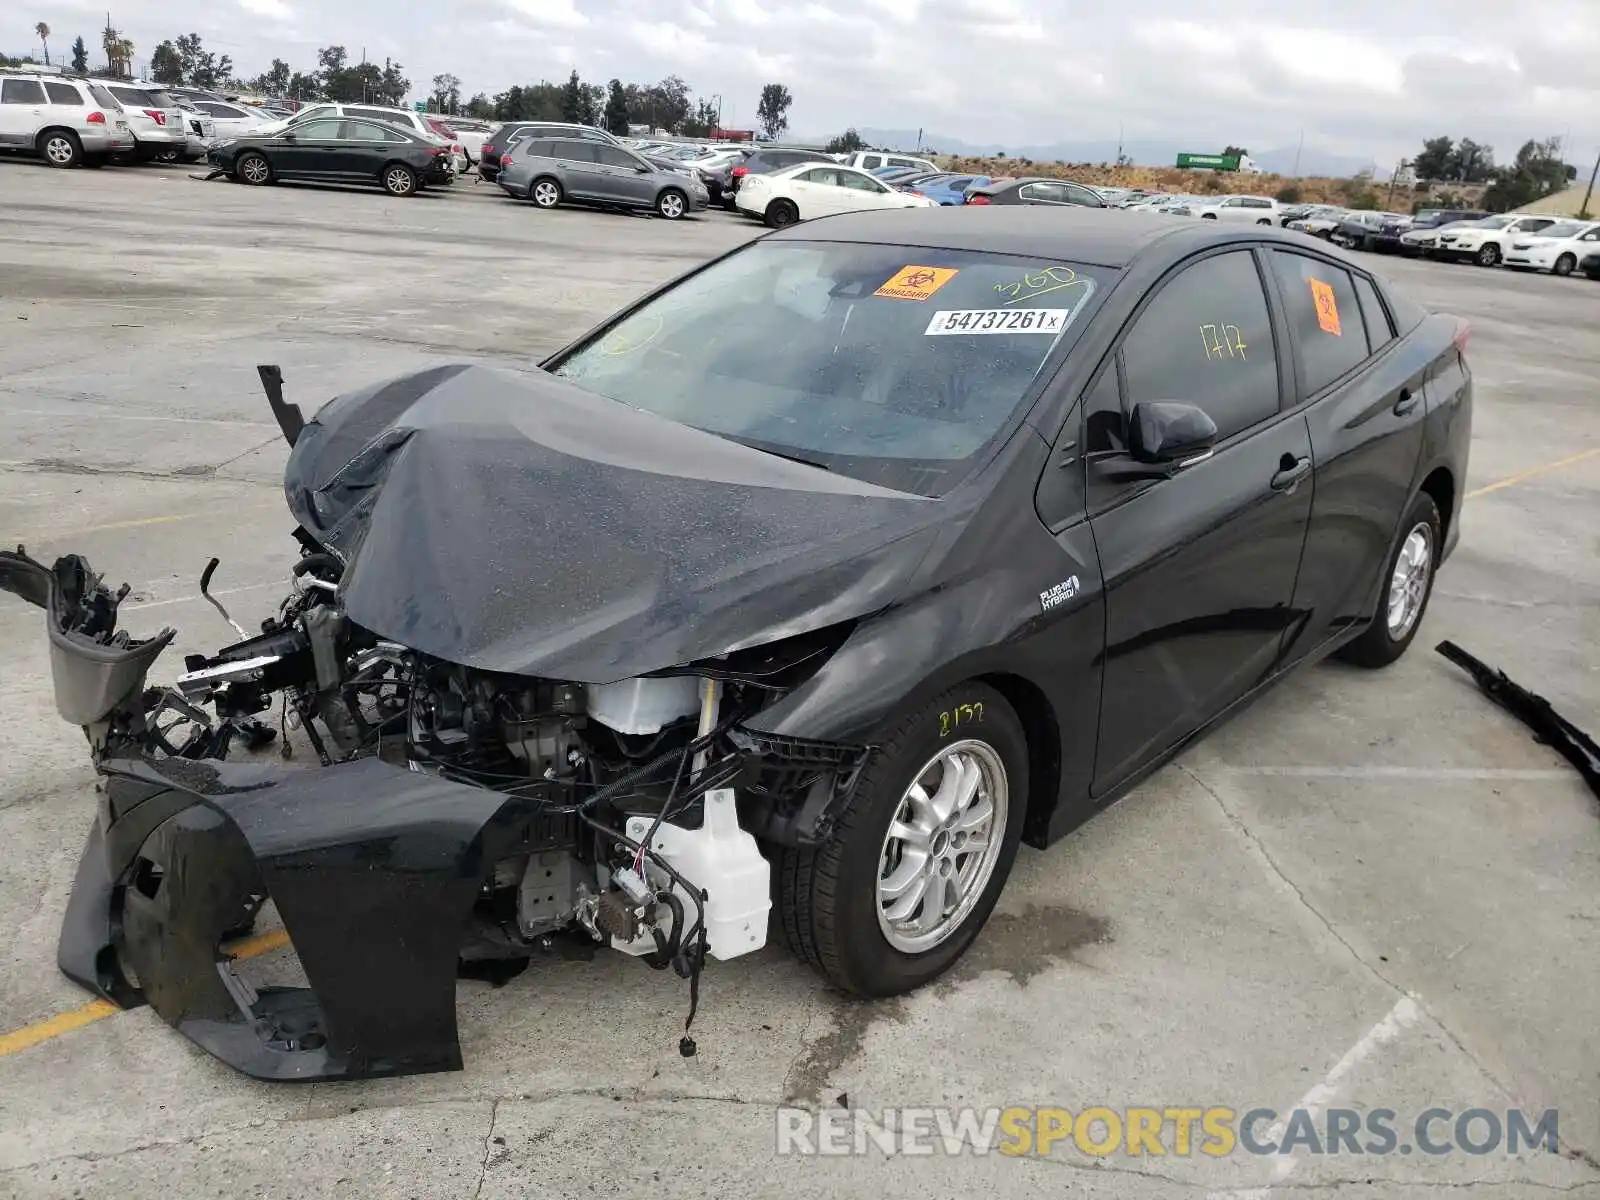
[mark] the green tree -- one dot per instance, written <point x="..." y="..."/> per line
<point x="446" y="94"/>
<point x="43" y="33"/>
<point x="773" y="110"/>
<point x="847" y="142"/>
<point x="701" y="121"/>
<point x="275" y="81"/>
<point x="616" y="115"/>
<point x="1438" y="154"/>
<point x="480" y="106"/>
<point x="201" y="68"/>
<point x="391" y="87"/>
<point x="119" y="52"/>
<point x="1471" y="163"/>
<point x="671" y="105"/>
<point x="1231" y="151"/>
<point x="573" y="101"/>
<point x="80" y="56"/>
<point x="1537" y="172"/>
<point x="165" y="65"/>
<point x="305" y="87"/>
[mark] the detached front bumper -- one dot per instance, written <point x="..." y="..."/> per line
<point x="373" y="869"/>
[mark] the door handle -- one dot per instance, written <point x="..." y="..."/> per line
<point x="1405" y="402"/>
<point x="1290" y="472"/>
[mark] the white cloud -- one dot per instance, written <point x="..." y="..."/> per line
<point x="1364" y="78"/>
<point x="276" y="10"/>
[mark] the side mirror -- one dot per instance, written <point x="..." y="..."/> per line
<point x="1169" y="433"/>
<point x="288" y="135"/>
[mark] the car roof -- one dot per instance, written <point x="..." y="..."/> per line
<point x="1092" y="236"/>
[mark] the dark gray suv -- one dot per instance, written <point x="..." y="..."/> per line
<point x="552" y="171"/>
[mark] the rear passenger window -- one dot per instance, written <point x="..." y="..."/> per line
<point x="1380" y="330"/>
<point x="21" y="91"/>
<point x="62" y="93"/>
<point x="104" y="98"/>
<point x="1206" y="339"/>
<point x="1324" y="317"/>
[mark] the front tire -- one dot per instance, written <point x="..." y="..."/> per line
<point x="61" y="148"/>
<point x="781" y="213"/>
<point x="1408" y="585"/>
<point x="253" y="169"/>
<point x="915" y="865"/>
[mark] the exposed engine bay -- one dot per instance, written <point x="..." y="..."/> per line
<point x="413" y="819"/>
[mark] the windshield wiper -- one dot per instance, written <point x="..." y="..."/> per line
<point x="796" y="458"/>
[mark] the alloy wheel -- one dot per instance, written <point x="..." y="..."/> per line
<point x="59" y="150"/>
<point x="671" y="206"/>
<point x="546" y="194"/>
<point x="398" y="181"/>
<point x="1408" y="586"/>
<point x="942" y="845"/>
<point x="255" y="169"/>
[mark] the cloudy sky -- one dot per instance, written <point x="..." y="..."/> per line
<point x="1368" y="78"/>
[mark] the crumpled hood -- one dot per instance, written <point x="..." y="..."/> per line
<point x="517" y="523"/>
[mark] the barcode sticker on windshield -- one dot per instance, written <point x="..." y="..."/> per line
<point x="997" y="320"/>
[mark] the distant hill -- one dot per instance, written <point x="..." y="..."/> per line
<point x="1278" y="161"/>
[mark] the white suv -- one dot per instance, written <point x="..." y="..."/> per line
<point x="65" y="121"/>
<point x="1248" y="210"/>
<point x="1485" y="242"/>
<point x="154" y="119"/>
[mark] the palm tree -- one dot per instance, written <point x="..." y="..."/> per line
<point x="43" y="31"/>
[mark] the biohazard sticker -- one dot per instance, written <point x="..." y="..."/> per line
<point x="1327" y="307"/>
<point x="916" y="283"/>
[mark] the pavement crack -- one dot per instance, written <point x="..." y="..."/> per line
<point x="488" y="1144"/>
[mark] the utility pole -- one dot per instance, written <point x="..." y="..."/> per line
<point x="1589" y="191"/>
<point x="1393" y="179"/>
<point x="1299" y="146"/>
<point x="1119" y="143"/>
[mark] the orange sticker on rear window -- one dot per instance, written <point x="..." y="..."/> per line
<point x="1327" y="307"/>
<point x="916" y="283"/>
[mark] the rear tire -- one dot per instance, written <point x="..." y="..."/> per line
<point x="838" y="904"/>
<point x="253" y="169"/>
<point x="60" y="148"/>
<point x="1488" y="255"/>
<point x="1565" y="265"/>
<point x="545" y="192"/>
<point x="1403" y="596"/>
<point x="399" y="180"/>
<point x="671" y="205"/>
<point x="781" y="213"/>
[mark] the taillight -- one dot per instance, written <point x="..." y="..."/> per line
<point x="96" y="118"/>
<point x="156" y="115"/>
<point x="977" y="199"/>
<point x="438" y="151"/>
<point x="739" y="172"/>
<point x="1463" y="333"/>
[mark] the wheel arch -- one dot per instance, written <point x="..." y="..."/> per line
<point x="1440" y="485"/>
<point x="1042" y="729"/>
<point x="39" y="138"/>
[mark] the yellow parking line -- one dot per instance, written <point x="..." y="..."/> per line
<point x="1520" y="476"/>
<point x="54" y="1027"/>
<point x="96" y="1010"/>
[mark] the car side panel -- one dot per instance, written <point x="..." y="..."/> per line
<point x="1366" y="442"/>
<point x="980" y="611"/>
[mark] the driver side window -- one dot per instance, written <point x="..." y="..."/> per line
<point x="1206" y="339"/>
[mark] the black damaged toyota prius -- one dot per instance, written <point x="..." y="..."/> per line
<point x="786" y="603"/>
